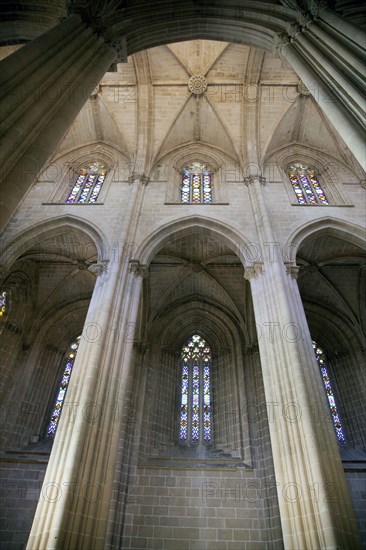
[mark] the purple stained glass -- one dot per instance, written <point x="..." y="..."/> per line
<point x="61" y="392"/>
<point x="2" y="303"/>
<point x="183" y="430"/>
<point x="76" y="189"/>
<point x="86" y="189"/>
<point x="322" y="362"/>
<point x="195" y="408"/>
<point x="88" y="185"/>
<point x="306" y="186"/>
<point x="196" y="185"/>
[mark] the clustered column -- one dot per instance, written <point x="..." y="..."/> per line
<point x="332" y="69"/>
<point x="316" y="511"/>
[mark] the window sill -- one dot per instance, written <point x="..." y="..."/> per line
<point x="324" y="205"/>
<point x="72" y="204"/>
<point x="196" y="204"/>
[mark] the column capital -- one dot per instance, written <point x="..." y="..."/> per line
<point x="292" y="270"/>
<point x="280" y="40"/>
<point x="138" y="269"/>
<point x="140" y="178"/>
<point x="250" y="180"/>
<point x="98" y="16"/>
<point x="253" y="271"/>
<point x="98" y="268"/>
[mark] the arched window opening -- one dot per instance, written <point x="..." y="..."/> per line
<point x="195" y="425"/>
<point x="68" y="360"/>
<point x="88" y="185"/>
<point x="196" y="185"/>
<point x="3" y="304"/>
<point x="322" y="362"/>
<point x="306" y="186"/>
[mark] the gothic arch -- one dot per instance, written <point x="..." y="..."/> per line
<point x="54" y="227"/>
<point x="352" y="233"/>
<point x="229" y="236"/>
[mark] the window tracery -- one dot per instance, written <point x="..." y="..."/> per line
<point x="68" y="360"/>
<point x="196" y="184"/>
<point x="322" y="362"/>
<point x="88" y="184"/>
<point x="306" y="185"/>
<point x="195" y="424"/>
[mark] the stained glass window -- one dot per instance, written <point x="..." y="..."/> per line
<point x="322" y="362"/>
<point x="62" y="389"/>
<point x="88" y="185"/>
<point x="196" y="185"/>
<point x="195" y="392"/>
<point x="3" y="304"/>
<point x="306" y="185"/>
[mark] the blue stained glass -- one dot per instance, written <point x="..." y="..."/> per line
<point x="88" y="185"/>
<point x="61" y="392"/>
<point x="196" y="185"/>
<point x="306" y="186"/>
<point x="195" y="408"/>
<point x="2" y="304"/>
<point x="322" y="361"/>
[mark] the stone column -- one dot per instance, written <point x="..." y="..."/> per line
<point x="331" y="69"/>
<point x="44" y="85"/>
<point x="76" y="495"/>
<point x="316" y="510"/>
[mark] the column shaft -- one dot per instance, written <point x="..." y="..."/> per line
<point x="338" y="113"/>
<point x="305" y="452"/>
<point x="85" y="449"/>
<point x="44" y="85"/>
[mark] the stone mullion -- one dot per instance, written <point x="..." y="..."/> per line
<point x="285" y="368"/>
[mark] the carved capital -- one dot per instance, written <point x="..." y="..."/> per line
<point x="98" y="16"/>
<point x="292" y="270"/>
<point x="363" y="184"/>
<point x="293" y="29"/>
<point x="96" y="93"/>
<point x="304" y="18"/>
<point x="250" y="180"/>
<point x="253" y="271"/>
<point x="280" y="40"/>
<point x="138" y="269"/>
<point x="316" y="6"/>
<point x="139" y="178"/>
<point x="99" y="267"/>
<point x="302" y="89"/>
